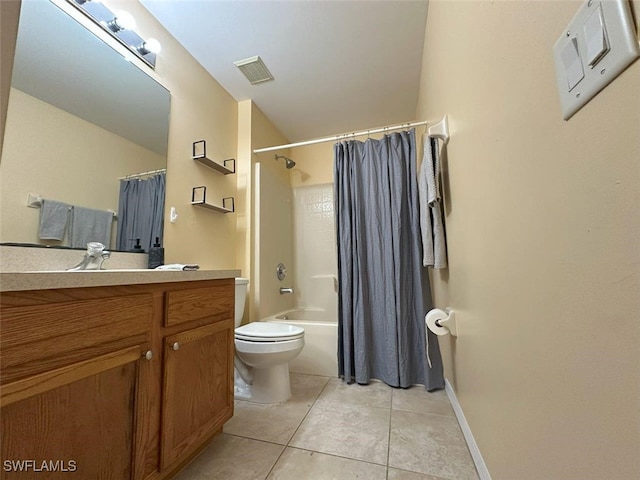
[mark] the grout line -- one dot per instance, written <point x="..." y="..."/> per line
<point x="296" y="430"/>
<point x="338" y="456"/>
<point x="307" y="414"/>
<point x="251" y="438"/>
<point x="275" y="463"/>
<point x="425" y="413"/>
<point x="314" y="403"/>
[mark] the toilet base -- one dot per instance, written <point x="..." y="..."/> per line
<point x="270" y="385"/>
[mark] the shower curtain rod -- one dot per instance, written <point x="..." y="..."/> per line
<point x="139" y="175"/>
<point x="437" y="130"/>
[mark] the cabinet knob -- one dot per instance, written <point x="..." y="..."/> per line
<point x="176" y="346"/>
<point x="148" y="355"/>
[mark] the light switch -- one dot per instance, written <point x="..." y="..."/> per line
<point x="594" y="48"/>
<point x="595" y="35"/>
<point x="572" y="64"/>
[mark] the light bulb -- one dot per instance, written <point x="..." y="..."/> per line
<point x="149" y="46"/>
<point x="122" y="21"/>
<point x="153" y="46"/>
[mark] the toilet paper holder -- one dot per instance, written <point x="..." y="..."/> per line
<point x="442" y="322"/>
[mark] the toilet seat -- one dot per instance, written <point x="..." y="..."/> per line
<point x="268" y="332"/>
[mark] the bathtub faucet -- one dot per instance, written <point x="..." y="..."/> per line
<point x="284" y="290"/>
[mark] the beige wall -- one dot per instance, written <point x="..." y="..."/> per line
<point x="9" y="16"/>
<point x="273" y="215"/>
<point x="274" y="245"/>
<point x="314" y="164"/>
<point x="245" y="221"/>
<point x="56" y="173"/>
<point x="543" y="234"/>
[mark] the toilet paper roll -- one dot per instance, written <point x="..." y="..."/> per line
<point x="432" y="317"/>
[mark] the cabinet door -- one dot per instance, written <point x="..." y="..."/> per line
<point x="197" y="388"/>
<point x="79" y="418"/>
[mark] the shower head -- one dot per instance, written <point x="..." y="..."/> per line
<point x="288" y="162"/>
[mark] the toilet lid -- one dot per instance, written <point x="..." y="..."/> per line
<point x="268" y="332"/>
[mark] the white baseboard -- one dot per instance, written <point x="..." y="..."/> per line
<point x="466" y="431"/>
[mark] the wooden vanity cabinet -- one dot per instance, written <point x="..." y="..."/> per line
<point x="72" y="381"/>
<point x="97" y="382"/>
<point x="197" y="387"/>
<point x="79" y="419"/>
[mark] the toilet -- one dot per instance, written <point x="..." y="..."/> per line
<point x="263" y="353"/>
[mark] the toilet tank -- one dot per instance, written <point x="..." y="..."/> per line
<point x="241" y="295"/>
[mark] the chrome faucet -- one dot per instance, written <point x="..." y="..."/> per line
<point x="284" y="290"/>
<point x="93" y="258"/>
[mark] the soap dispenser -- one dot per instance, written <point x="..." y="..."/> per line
<point x="156" y="254"/>
<point x="137" y="248"/>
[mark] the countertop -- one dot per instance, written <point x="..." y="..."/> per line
<point x="20" y="281"/>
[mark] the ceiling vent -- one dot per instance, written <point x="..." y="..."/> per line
<point x="254" y="69"/>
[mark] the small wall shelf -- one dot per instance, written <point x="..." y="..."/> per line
<point x="199" y="154"/>
<point x="199" y="199"/>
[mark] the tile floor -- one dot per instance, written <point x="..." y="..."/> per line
<point x="331" y="430"/>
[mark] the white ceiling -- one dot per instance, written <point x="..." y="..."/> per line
<point x="339" y="66"/>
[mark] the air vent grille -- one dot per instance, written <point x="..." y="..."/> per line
<point x="254" y="69"/>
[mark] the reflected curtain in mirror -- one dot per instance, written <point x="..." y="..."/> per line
<point x="141" y="212"/>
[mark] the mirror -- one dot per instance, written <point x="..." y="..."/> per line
<point x="80" y="117"/>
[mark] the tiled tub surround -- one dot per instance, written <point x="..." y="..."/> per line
<point x="330" y="430"/>
<point x="314" y="232"/>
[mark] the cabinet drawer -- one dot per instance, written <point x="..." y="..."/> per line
<point x="215" y="302"/>
<point x="40" y="337"/>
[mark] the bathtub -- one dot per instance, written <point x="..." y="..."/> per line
<point x="320" y="353"/>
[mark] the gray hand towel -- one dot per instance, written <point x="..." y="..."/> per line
<point x="431" y="222"/>
<point x="53" y="220"/>
<point x="426" y="224"/>
<point x="89" y="225"/>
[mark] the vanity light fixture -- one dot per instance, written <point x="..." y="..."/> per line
<point x="121" y="26"/>
<point x="122" y="21"/>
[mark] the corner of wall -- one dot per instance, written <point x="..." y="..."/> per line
<point x="9" y="19"/>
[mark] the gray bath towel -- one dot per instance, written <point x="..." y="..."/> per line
<point x="431" y="223"/>
<point x="53" y="220"/>
<point x="89" y="225"/>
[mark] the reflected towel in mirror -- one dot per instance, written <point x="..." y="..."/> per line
<point x="89" y="225"/>
<point x="53" y="220"/>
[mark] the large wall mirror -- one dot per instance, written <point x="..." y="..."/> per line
<point x="80" y="117"/>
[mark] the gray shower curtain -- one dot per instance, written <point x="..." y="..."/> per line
<point x="140" y="212"/>
<point x="384" y="292"/>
